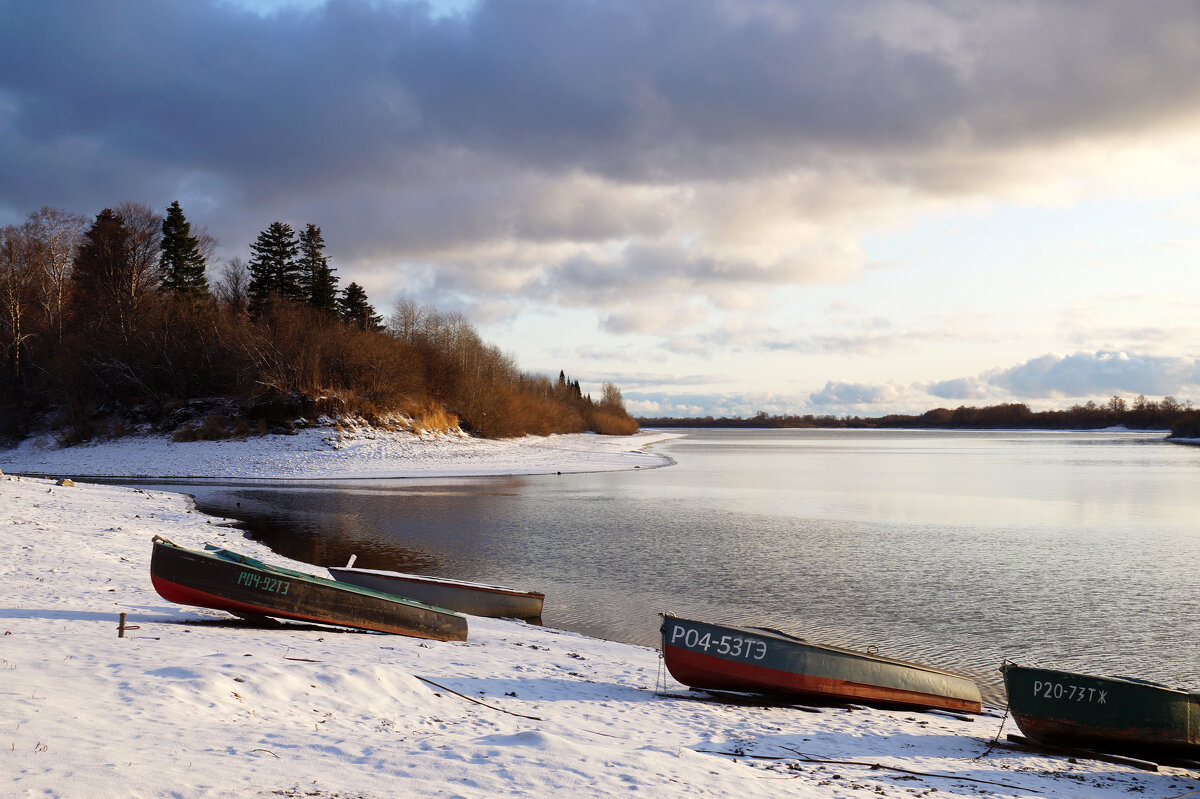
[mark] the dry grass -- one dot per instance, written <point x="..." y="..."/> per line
<point x="433" y="418"/>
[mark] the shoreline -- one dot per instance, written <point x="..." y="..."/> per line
<point x="323" y="454"/>
<point x="193" y="703"/>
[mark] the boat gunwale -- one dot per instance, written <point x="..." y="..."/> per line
<point x="1131" y="681"/>
<point x="421" y="578"/>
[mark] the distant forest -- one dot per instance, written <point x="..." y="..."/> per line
<point x="1140" y="414"/>
<point x="110" y="326"/>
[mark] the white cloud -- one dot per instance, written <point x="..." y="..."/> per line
<point x="961" y="388"/>
<point x="838" y="394"/>
<point x="1088" y="374"/>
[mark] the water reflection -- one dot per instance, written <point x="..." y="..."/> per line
<point x="956" y="549"/>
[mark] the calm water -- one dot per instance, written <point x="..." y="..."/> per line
<point x="959" y="549"/>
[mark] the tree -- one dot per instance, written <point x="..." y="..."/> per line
<point x="58" y="234"/>
<point x="408" y="320"/>
<point x="611" y="399"/>
<point x="144" y="229"/>
<point x="18" y="278"/>
<point x="273" y="267"/>
<point x="318" y="282"/>
<point x="355" y="310"/>
<point x="107" y="278"/>
<point x="233" y="287"/>
<point x="181" y="264"/>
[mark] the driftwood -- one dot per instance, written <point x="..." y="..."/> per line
<point x="476" y="701"/>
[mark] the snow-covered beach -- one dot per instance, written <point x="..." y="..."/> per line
<point x="347" y="451"/>
<point x="192" y="704"/>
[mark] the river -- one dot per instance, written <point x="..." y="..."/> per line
<point x="954" y="548"/>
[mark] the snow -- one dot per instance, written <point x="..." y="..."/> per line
<point x="327" y="453"/>
<point x="191" y="703"/>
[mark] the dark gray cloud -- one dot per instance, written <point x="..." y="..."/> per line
<point x="602" y="137"/>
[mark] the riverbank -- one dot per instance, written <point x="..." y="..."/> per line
<point x="344" y="452"/>
<point x="191" y="704"/>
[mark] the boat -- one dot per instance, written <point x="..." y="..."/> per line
<point x="224" y="580"/>
<point x="1119" y="715"/>
<point x="717" y="657"/>
<point x="478" y="599"/>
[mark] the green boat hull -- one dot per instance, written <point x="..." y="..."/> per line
<point x="223" y="580"/>
<point x="1111" y="714"/>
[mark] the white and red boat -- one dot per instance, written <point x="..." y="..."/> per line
<point x="717" y="657"/>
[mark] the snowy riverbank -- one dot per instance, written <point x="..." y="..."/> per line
<point x="328" y="453"/>
<point x="190" y="705"/>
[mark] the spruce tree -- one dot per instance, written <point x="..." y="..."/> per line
<point x="273" y="266"/>
<point x="316" y="275"/>
<point x="181" y="265"/>
<point x="101" y="263"/>
<point x="355" y="310"/>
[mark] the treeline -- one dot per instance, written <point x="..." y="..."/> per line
<point x="112" y="324"/>
<point x="1140" y="414"/>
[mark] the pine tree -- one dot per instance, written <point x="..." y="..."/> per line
<point x="181" y="265"/>
<point x="355" y="310"/>
<point x="273" y="266"/>
<point x="316" y="275"/>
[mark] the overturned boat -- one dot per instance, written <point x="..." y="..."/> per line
<point x="1121" y="715"/>
<point x="225" y="580"/>
<point x="717" y="657"/>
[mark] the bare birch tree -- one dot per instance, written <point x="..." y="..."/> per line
<point x="18" y="283"/>
<point x="58" y="233"/>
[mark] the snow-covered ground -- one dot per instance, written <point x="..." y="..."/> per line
<point x="346" y="452"/>
<point x="189" y="704"/>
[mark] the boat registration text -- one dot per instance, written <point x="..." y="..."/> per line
<point x="262" y="583"/>
<point x="1047" y="689"/>
<point x="730" y="645"/>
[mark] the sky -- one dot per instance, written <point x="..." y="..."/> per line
<point x="723" y="207"/>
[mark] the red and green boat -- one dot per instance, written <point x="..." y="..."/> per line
<point x="1120" y="715"/>
<point x="717" y="657"/>
<point x="224" y="580"/>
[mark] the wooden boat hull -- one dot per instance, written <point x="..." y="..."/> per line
<point x="225" y="580"/>
<point x="474" y="598"/>
<point x="717" y="657"/>
<point x="1112" y="714"/>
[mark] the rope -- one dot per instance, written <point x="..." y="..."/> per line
<point x="808" y="759"/>
<point x="1003" y="719"/>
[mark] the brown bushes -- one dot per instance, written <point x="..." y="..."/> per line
<point x="612" y="424"/>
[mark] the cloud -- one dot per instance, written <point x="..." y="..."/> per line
<point x="960" y="388"/>
<point x="1087" y="374"/>
<point x="837" y="393"/>
<point x="574" y="153"/>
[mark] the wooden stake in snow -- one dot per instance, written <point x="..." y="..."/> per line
<point x="122" y="627"/>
